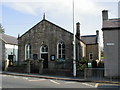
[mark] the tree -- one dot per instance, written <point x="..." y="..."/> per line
<point x="102" y="55"/>
<point x="1" y="29"/>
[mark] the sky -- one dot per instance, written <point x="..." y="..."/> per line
<point x="18" y="16"/>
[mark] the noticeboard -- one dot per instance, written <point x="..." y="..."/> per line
<point x="52" y="58"/>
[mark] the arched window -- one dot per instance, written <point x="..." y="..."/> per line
<point x="44" y="49"/>
<point x="61" y="51"/>
<point x="27" y="51"/>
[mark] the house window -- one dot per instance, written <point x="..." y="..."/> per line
<point x="61" y="51"/>
<point x="90" y="56"/>
<point x="27" y="51"/>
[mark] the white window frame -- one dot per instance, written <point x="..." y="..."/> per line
<point x="61" y="50"/>
<point x="90" y="56"/>
<point x="27" y="51"/>
<point x="42" y="52"/>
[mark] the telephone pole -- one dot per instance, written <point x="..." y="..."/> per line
<point x="74" y="47"/>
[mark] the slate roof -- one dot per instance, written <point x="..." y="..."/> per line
<point x="9" y="39"/>
<point x="111" y="23"/>
<point x="89" y="39"/>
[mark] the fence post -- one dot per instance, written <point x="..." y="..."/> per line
<point x="41" y="66"/>
<point x="28" y="66"/>
<point x="85" y="73"/>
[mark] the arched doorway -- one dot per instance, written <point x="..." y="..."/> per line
<point x="44" y="55"/>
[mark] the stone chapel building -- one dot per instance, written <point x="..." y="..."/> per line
<point x="55" y="45"/>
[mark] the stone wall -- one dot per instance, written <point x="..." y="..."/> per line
<point x="48" y="34"/>
<point x="93" y="49"/>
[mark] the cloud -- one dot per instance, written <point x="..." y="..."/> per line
<point x="22" y="7"/>
<point x="35" y="7"/>
<point x="88" y="12"/>
<point x="59" y="6"/>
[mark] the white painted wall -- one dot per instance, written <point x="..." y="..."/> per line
<point x="10" y="49"/>
<point x="83" y="49"/>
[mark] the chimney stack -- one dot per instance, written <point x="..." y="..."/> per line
<point x="105" y="15"/>
<point x="97" y="38"/>
<point x="97" y="32"/>
<point x="78" y="30"/>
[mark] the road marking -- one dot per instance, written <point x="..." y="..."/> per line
<point x="111" y="84"/>
<point x="88" y="85"/>
<point x="4" y="75"/>
<point x="37" y="80"/>
<point x="54" y="82"/>
<point x="16" y="77"/>
<point x="25" y="78"/>
<point x="69" y="82"/>
<point x="97" y="84"/>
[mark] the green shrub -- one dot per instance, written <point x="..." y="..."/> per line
<point x="82" y="64"/>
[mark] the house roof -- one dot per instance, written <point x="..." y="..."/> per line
<point x="9" y="39"/>
<point x="111" y="23"/>
<point x="89" y="39"/>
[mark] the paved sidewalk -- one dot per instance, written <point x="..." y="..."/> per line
<point x="78" y="79"/>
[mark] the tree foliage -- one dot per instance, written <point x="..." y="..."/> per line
<point x="1" y="29"/>
<point x="82" y="64"/>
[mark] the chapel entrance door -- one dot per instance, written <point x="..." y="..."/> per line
<point x="44" y="55"/>
<point x="45" y="62"/>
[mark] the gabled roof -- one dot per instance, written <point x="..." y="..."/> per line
<point x="48" y="22"/>
<point x="9" y="39"/>
<point x="89" y="39"/>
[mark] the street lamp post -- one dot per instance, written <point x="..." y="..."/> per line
<point x="74" y="47"/>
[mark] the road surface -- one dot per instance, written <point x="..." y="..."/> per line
<point x="9" y="81"/>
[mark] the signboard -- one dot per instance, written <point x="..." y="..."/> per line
<point x="52" y="57"/>
<point x="110" y="44"/>
<point x="89" y="65"/>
